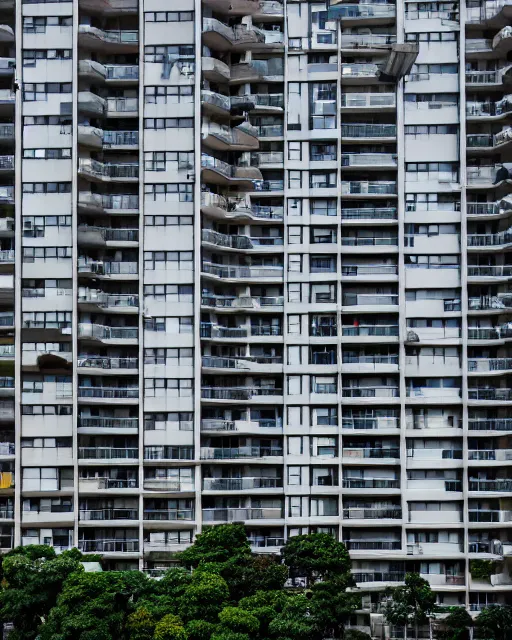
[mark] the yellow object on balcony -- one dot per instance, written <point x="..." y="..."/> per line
<point x="6" y="480"/>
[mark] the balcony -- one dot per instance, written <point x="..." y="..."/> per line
<point x="259" y="102"/>
<point x="242" y="513"/>
<point x="215" y="171"/>
<point x="375" y="41"/>
<point x="106" y="363"/>
<point x="95" y="268"/>
<point x="107" y="453"/>
<point x="487" y="79"/>
<point x="232" y="272"/>
<point x="271" y="70"/>
<point x="214" y="70"/>
<point x="104" y="422"/>
<point x="241" y="484"/>
<point x="371" y="483"/>
<point x="360" y="132"/>
<point x="369" y="160"/>
<point x="108" y="513"/>
<point x="369" y="299"/>
<point x="115" y="42"/>
<point x="486" y="394"/>
<point x="367" y="188"/>
<point x="370" y="331"/>
<point x="167" y="485"/>
<point x="108" y="393"/>
<point x="235" y="453"/>
<point x="122" y="107"/>
<point x="497" y="485"/>
<point x="364" y="14"/>
<point x="99" y="171"/>
<point x="380" y="453"/>
<point x="371" y="513"/>
<point x="241" y="393"/>
<point x="373" y="545"/>
<point x="489" y="273"/>
<point x="122" y="73"/>
<point x="369" y="213"/>
<point x="490" y="455"/>
<point x="489" y="365"/>
<point x="209" y="425"/>
<point x="168" y="452"/>
<point x="102" y="332"/>
<point x="102" y="300"/>
<point x="490" y="424"/>
<point x="378" y="576"/>
<point x="241" y="302"/>
<point x="362" y="73"/>
<point x="168" y="514"/>
<point x="120" y="139"/>
<point x="371" y="392"/>
<point x="488" y="110"/>
<point x="489" y="515"/>
<point x="246" y="364"/>
<point x="241" y="242"/>
<point x="109" y="546"/>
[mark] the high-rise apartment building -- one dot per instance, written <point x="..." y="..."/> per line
<point x="249" y="271"/>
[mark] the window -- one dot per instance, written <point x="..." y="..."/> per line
<point x="46" y="187"/>
<point x="36" y="288"/>
<point x="34" y="226"/>
<point x="30" y="56"/>
<point x="169" y="16"/>
<point x="322" y="264"/>
<point x="38" y="24"/>
<point x="322" y="180"/>
<point x="47" y="120"/>
<point x="46" y="443"/>
<point x="182" y="421"/>
<point x="323" y="207"/>
<point x="38" y="92"/>
<point x="47" y="154"/>
<point x="168" y="123"/>
<point x="294" y="151"/>
<point x="168" y="221"/>
<point x="161" y="260"/>
<point x="294" y="179"/>
<point x="170" y="324"/>
<point x="294" y="263"/>
<point x="163" y="53"/>
<point x="168" y="94"/>
<point x="444" y="36"/>
<point x="325" y="416"/>
<point x="173" y="387"/>
<point x="57" y="347"/>
<point x="423" y="71"/>
<point x="294" y="235"/>
<point x="33" y="254"/>
<point x="169" y="292"/>
<point x="432" y="262"/>
<point x="46" y="409"/>
<point x="430" y="129"/>
<point x="175" y="357"/>
<point x="158" y="160"/>
<point x="322" y="151"/>
<point x="47" y="319"/>
<point x="177" y="192"/>
<point x="440" y="171"/>
<point x="432" y="202"/>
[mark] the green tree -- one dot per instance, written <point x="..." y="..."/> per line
<point x="413" y="604"/>
<point x="331" y="605"/>
<point x="32" y="580"/>
<point x="456" y="625"/>
<point x="315" y="556"/>
<point x="495" y="623"/>
<point x="170" y="627"/>
<point x="217" y="544"/>
<point x="355" y="634"/>
<point x="95" y="606"/>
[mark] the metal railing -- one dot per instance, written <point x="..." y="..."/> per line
<point x="498" y="484"/>
<point x="109" y="513"/>
<point x="122" y="105"/>
<point x="490" y="424"/>
<point x="122" y="71"/>
<point x="108" y="453"/>
<point x="369" y="299"/>
<point x="228" y="271"/>
<point x="109" y="546"/>
<point x="108" y="392"/>
<point x="103" y="332"/>
<point x="105" y="300"/>
<point x="233" y="453"/>
<point x="241" y="484"/>
<point x="493" y="393"/>
<point x="377" y="213"/>
<point x="362" y="187"/>
<point x="168" y="514"/>
<point x="120" y="138"/>
<point x="372" y="513"/>
<point x="371" y="483"/>
<point x="368" y="130"/>
<point x="242" y="513"/>
<point x="105" y="422"/>
<point x="104" y="362"/>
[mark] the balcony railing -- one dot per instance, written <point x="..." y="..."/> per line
<point x="494" y="393"/>
<point x="104" y="362"/>
<point x="368" y="159"/>
<point x="489" y="239"/>
<point x="260" y="542"/>
<point x="363" y="187"/>
<point x="370" y="392"/>
<point x="238" y="393"/>
<point x="101" y="332"/>
<point x="103" y="422"/>
<point x="106" y="300"/>
<point x="242" y="302"/>
<point x="369" y="213"/>
<point x="363" y="10"/>
<point x="217" y="362"/>
<point x="109" y="546"/>
<point x="242" y="513"/>
<point x="356" y="299"/>
<point x="361" y="70"/>
<point x="109" y="513"/>
<point x="168" y="452"/>
<point x="494" y="271"/>
<point x="233" y="453"/>
<point x="120" y="138"/>
<point x="228" y="271"/>
<point x="381" y="422"/>
<point x="107" y="170"/>
<point x="122" y="71"/>
<point x="371" y="483"/>
<point x="356" y="40"/>
<point x="497" y="485"/>
<point x="168" y="514"/>
<point x="212" y="424"/>
<point x="370" y="330"/>
<point x="490" y="424"/>
<point x="241" y="484"/>
<point x="238" y="241"/>
<point x="115" y="235"/>
<point x="120" y="201"/>
<point x="371" y="513"/>
<point x="122" y="105"/>
<point x="107" y="392"/>
<point x="107" y="453"/>
<point x="373" y="545"/>
<point x="368" y="131"/>
<point x="489" y="364"/>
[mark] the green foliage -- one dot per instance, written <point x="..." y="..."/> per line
<point x="238" y="620"/>
<point x="456" y="625"/>
<point x="33" y="577"/>
<point x="316" y="555"/>
<point x="411" y="604"/>
<point x="217" y="544"/>
<point x="482" y="569"/>
<point x="170" y="627"/>
<point x="495" y="623"/>
<point x="203" y="598"/>
<point x="141" y="624"/>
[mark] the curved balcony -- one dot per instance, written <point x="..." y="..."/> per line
<point x="220" y="37"/>
<point x="502" y="42"/>
<point x="222" y="208"/>
<point x="242" y="273"/>
<point x="109" y="335"/>
<point x="225" y="138"/>
<point x="487" y="143"/>
<point x="215" y="171"/>
<point x="262" y="244"/>
<point x="215" y="103"/>
<point x="486" y="177"/>
<point x="90" y="136"/>
<point x="214" y="70"/>
<point x="106" y="172"/>
<point x="258" y="102"/>
<point x="236" y="453"/>
<point x="90" y="103"/>
<point x="371" y="42"/>
<point x="271" y="70"/>
<point x="233" y="7"/>
<point x="260" y="364"/>
<point x="488" y="110"/>
<point x="114" y="42"/>
<point x="92" y="71"/>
